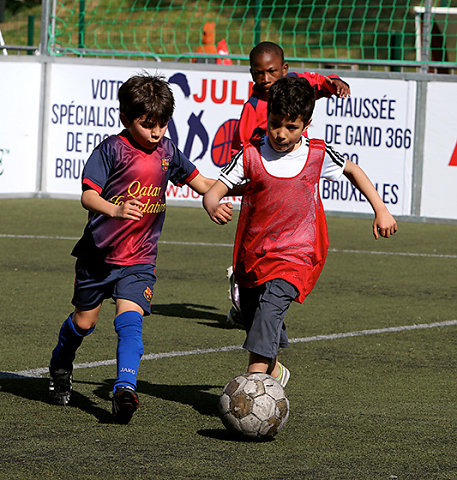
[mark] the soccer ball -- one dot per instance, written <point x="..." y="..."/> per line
<point x="254" y="405"/>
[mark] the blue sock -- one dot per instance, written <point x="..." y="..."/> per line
<point x="129" y="327"/>
<point x="68" y="342"/>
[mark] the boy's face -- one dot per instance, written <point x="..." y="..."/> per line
<point x="146" y="135"/>
<point x="266" y="69"/>
<point x="284" y="134"/>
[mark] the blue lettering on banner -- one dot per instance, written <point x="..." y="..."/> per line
<point x="85" y="115"/>
<point x="74" y="141"/>
<point x="368" y="136"/>
<point x="363" y="136"/>
<point x="356" y="107"/>
<point x="93" y="139"/>
<point x="333" y="134"/>
<point x="69" y="168"/>
<point x="344" y="191"/>
<point x="105" y="89"/>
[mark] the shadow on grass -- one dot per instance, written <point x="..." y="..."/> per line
<point x="196" y="396"/>
<point x="36" y="389"/>
<point x="191" y="311"/>
<point x="226" y="435"/>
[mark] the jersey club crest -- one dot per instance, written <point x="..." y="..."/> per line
<point x="165" y="164"/>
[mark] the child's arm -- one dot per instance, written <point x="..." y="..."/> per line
<point x="327" y="86"/>
<point x="220" y="213"/>
<point x="129" y="210"/>
<point x="384" y="223"/>
<point x="341" y="88"/>
<point x="201" y="184"/>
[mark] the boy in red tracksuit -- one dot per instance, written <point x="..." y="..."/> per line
<point x="267" y="65"/>
<point x="281" y="240"/>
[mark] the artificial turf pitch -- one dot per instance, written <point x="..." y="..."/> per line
<point x="376" y="406"/>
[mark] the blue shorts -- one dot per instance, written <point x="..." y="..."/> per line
<point x="95" y="281"/>
<point x="263" y="309"/>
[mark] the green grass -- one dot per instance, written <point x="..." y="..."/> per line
<point x="362" y="408"/>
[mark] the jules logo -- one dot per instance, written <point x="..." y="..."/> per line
<point x="165" y="164"/>
<point x="148" y="294"/>
<point x="3" y="153"/>
<point x="220" y="149"/>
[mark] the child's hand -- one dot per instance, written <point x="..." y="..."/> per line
<point x="222" y="214"/>
<point x="384" y="224"/>
<point x="342" y="89"/>
<point x="130" y="210"/>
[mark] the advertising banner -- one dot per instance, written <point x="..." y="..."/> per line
<point x="439" y="181"/>
<point x="19" y="126"/>
<point x="84" y="110"/>
<point x="374" y="128"/>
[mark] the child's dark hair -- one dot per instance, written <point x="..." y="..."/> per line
<point x="266" y="47"/>
<point x="291" y="97"/>
<point x="148" y="95"/>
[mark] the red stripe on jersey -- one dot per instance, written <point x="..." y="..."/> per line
<point x="92" y="185"/>
<point x="189" y="178"/>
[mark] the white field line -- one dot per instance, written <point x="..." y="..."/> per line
<point x="38" y="372"/>
<point x="206" y="244"/>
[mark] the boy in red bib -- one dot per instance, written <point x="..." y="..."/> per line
<point x="281" y="241"/>
<point x="267" y="65"/>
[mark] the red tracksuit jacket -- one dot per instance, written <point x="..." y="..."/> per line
<point x="253" y="120"/>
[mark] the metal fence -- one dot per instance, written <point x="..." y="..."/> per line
<point x="393" y="34"/>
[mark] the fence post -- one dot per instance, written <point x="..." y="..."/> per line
<point x="30" y="32"/>
<point x="258" y="18"/>
<point x="2" y="10"/>
<point x="419" y="146"/>
<point x="44" y="37"/>
<point x="81" y="23"/>
<point x="395" y="49"/>
<point x="426" y="35"/>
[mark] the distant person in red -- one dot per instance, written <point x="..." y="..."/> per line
<point x="267" y="66"/>
<point x="208" y="43"/>
<point x="209" y="46"/>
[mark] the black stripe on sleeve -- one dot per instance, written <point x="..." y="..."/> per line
<point x="232" y="164"/>
<point x="334" y="155"/>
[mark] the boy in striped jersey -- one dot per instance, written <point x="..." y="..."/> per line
<point x="124" y="186"/>
<point x="281" y="240"/>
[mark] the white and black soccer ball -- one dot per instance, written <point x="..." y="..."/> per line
<point x="254" y="405"/>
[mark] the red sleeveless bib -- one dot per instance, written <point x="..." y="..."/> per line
<point x="282" y="231"/>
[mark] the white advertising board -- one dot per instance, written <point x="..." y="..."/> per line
<point x="19" y="126"/>
<point x="439" y="182"/>
<point x="375" y="127"/>
<point x="83" y="109"/>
